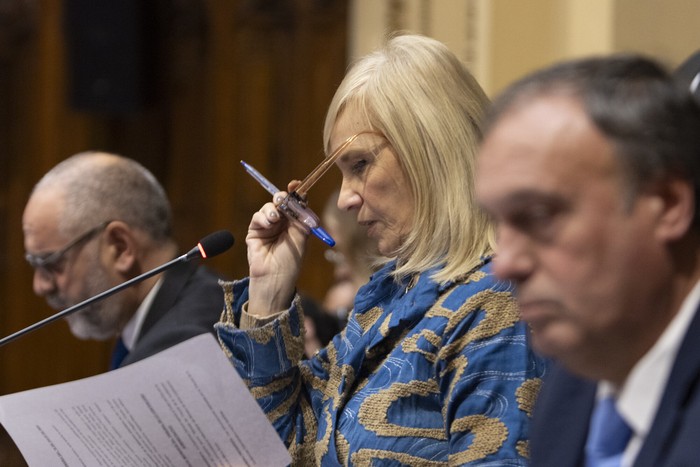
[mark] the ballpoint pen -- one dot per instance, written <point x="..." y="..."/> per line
<point x="293" y="206"/>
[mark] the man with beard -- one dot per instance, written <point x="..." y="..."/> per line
<point x="97" y="220"/>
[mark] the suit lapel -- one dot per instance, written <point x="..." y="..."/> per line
<point x="561" y="418"/>
<point x="173" y="282"/>
<point x="681" y="387"/>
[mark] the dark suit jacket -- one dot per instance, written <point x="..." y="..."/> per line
<point x="188" y="304"/>
<point x="562" y="413"/>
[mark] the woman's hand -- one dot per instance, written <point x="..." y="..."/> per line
<point x="276" y="247"/>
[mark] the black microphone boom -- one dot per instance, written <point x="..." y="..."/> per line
<point x="211" y="245"/>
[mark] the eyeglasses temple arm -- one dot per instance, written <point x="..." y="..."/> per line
<point x="322" y="168"/>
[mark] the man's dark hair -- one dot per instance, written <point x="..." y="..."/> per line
<point x="649" y="116"/>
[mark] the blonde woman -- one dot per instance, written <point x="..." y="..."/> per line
<point x="433" y="366"/>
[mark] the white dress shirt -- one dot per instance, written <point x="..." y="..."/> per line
<point x="639" y="398"/>
<point x="133" y="327"/>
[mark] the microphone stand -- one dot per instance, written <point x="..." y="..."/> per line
<point x="211" y="245"/>
<point x="100" y="296"/>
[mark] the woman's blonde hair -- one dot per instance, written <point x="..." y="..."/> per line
<point x="418" y="94"/>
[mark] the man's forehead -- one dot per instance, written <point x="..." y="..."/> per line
<point x="549" y="123"/>
<point x="542" y="111"/>
<point x="543" y="143"/>
<point x="43" y="212"/>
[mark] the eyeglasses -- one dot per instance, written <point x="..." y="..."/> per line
<point x="51" y="263"/>
<point x="294" y="205"/>
<point x="326" y="164"/>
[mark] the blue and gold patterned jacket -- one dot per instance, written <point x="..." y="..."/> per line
<point x="423" y="374"/>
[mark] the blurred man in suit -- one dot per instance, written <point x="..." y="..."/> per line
<point x="591" y="170"/>
<point x="97" y="220"/>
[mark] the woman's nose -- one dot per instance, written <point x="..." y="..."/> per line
<point x="348" y="198"/>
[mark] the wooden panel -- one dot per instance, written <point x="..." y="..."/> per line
<point x="235" y="79"/>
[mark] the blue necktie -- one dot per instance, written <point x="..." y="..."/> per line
<point x="118" y="354"/>
<point x="608" y="435"/>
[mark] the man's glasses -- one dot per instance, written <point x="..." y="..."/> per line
<point x="51" y="263"/>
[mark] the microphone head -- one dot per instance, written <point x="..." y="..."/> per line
<point x="212" y="245"/>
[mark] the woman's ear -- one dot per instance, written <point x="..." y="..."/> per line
<point x="676" y="198"/>
<point x="121" y="246"/>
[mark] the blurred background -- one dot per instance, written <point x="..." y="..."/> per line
<point x="190" y="87"/>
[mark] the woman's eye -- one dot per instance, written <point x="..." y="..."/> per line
<point x="358" y="166"/>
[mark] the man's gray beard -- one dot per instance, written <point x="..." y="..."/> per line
<point x="103" y="319"/>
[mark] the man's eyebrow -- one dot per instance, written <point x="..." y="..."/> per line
<point x="526" y="197"/>
<point x="528" y="194"/>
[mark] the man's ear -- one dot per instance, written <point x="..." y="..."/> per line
<point x="676" y="208"/>
<point x="121" y="245"/>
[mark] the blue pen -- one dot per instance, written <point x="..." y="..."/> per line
<point x="292" y="206"/>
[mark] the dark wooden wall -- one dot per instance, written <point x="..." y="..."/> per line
<point x="228" y="80"/>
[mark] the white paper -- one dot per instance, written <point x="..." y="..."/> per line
<point x="186" y="406"/>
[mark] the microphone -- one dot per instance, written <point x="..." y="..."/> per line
<point x="211" y="245"/>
